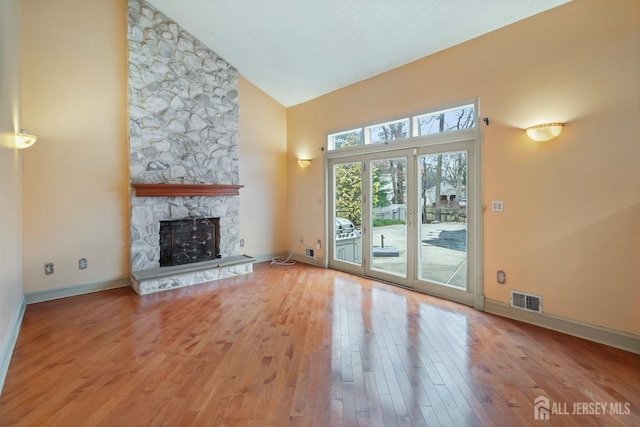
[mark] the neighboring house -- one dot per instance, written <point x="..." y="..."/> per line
<point x="448" y="194"/>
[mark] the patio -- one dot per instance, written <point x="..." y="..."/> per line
<point x="443" y="256"/>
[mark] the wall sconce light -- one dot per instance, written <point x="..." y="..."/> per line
<point x="304" y="163"/>
<point x="24" y="139"/>
<point x="544" y="132"/>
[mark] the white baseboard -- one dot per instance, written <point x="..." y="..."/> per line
<point x="70" y="291"/>
<point x="269" y="257"/>
<point x="318" y="262"/>
<point x="7" y="347"/>
<point x="610" y="337"/>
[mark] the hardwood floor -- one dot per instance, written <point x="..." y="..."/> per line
<point x="302" y="346"/>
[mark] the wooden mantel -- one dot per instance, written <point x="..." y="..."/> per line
<point x="178" y="190"/>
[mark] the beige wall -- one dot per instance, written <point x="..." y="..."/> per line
<point x="74" y="88"/>
<point x="10" y="173"/>
<point x="263" y="172"/>
<point x="570" y="229"/>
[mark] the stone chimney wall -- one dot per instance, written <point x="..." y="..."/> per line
<point x="183" y="129"/>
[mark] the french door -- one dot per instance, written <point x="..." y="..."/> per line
<point x="410" y="217"/>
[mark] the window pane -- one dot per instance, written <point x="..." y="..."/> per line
<point x="387" y="131"/>
<point x="347" y="193"/>
<point x="349" y="138"/>
<point x="389" y="216"/>
<point x="445" y="121"/>
<point x="443" y="230"/>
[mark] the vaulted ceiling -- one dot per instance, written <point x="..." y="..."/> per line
<point x="297" y="50"/>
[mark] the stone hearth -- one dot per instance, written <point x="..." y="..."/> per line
<point x="162" y="278"/>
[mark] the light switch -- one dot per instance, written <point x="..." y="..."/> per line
<point x="497" y="205"/>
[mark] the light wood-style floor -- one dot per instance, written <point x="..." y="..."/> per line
<point x="301" y="346"/>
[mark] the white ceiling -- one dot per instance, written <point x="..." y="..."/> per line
<point x="297" y="50"/>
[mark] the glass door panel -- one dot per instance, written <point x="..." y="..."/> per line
<point x="347" y="215"/>
<point x="388" y="208"/>
<point x="442" y="257"/>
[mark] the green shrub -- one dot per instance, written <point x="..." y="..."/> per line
<point x="381" y="222"/>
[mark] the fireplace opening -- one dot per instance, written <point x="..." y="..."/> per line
<point x="189" y="240"/>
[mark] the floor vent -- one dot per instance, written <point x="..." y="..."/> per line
<point x="526" y="302"/>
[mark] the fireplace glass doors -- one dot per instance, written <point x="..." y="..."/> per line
<point x="189" y="240"/>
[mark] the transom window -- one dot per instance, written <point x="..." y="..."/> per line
<point x="437" y="122"/>
<point x="385" y="132"/>
<point x="349" y="138"/>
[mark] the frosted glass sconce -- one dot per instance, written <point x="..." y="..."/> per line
<point x="544" y="132"/>
<point x="304" y="163"/>
<point x="24" y="139"/>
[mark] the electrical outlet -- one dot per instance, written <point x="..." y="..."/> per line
<point x="82" y="263"/>
<point x="501" y="277"/>
<point x="242" y="243"/>
<point x="318" y="244"/>
<point x="48" y="268"/>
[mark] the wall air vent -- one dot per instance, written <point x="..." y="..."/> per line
<point x="526" y="302"/>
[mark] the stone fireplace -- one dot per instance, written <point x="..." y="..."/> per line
<point x="183" y="151"/>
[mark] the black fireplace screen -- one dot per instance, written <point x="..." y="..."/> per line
<point x="189" y="240"/>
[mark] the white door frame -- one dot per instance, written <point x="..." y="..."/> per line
<point x="468" y="140"/>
